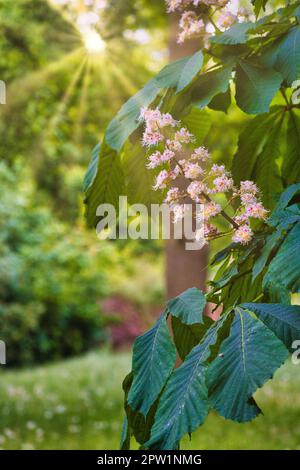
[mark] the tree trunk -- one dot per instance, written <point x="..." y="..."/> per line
<point x="184" y="268"/>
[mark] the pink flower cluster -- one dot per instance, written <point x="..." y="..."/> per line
<point x="194" y="24"/>
<point x="176" y="153"/>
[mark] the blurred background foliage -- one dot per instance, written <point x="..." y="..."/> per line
<point x="68" y="66"/>
<point x="61" y="91"/>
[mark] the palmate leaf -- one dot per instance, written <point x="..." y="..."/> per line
<point x="256" y="86"/>
<point x="283" y="320"/>
<point x="267" y="164"/>
<point x="92" y="168"/>
<point x="248" y="358"/>
<point x="258" y="154"/>
<point x="251" y="143"/>
<point x="284" y="269"/>
<point x="259" y="5"/>
<point x="237" y="34"/>
<point x="139" y="179"/>
<point x="188" y="306"/>
<point x="186" y="337"/>
<point x="154" y="357"/>
<point x="190" y="70"/>
<point x="271" y="242"/>
<point x="221" y="102"/>
<point x="287" y="57"/>
<point x="125" y="435"/>
<point x="135" y="423"/>
<point x="291" y="167"/>
<point x="184" y="402"/>
<point x="280" y="211"/>
<point x="103" y="187"/>
<point x="198" y="122"/>
<point x="209" y="85"/>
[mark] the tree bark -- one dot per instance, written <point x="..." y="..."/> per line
<point x="184" y="268"/>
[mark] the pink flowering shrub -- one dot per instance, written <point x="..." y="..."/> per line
<point x="180" y="160"/>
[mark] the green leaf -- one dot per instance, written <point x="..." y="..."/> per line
<point x="184" y="403"/>
<point x="137" y="424"/>
<point x="237" y="34"/>
<point x="283" y="320"/>
<point x="284" y="269"/>
<point x="92" y="168"/>
<point x="271" y="242"/>
<point x="221" y="102"/>
<point x="188" y="336"/>
<point x="126" y="120"/>
<point x="209" y="85"/>
<point x="251" y="143"/>
<point x="284" y="200"/>
<point x="266" y="172"/>
<point x="284" y="215"/>
<point x="198" y="122"/>
<point x="256" y="86"/>
<point x="188" y="306"/>
<point x="139" y="179"/>
<point x="190" y="70"/>
<point x="288" y="56"/>
<point x="154" y="357"/>
<point x="125" y="436"/>
<point x="107" y="184"/>
<point x="248" y="358"/>
<point x="224" y="276"/>
<point x="259" y="5"/>
<point x="291" y="167"/>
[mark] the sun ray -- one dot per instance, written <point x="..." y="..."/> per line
<point x="66" y="98"/>
<point x="20" y="89"/>
<point x="122" y="79"/>
<point x="83" y="103"/>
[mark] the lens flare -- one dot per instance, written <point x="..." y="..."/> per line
<point x="93" y="42"/>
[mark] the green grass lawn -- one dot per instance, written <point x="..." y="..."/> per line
<point x="77" y="404"/>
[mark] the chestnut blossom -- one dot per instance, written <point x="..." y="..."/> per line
<point x="227" y="19"/>
<point x="248" y="187"/>
<point x="218" y="170"/>
<point x="192" y="171"/>
<point x="211" y="209"/>
<point x="165" y="177"/>
<point x="222" y="184"/>
<point x="257" y="211"/>
<point x="248" y="198"/>
<point x="167" y="155"/>
<point x="210" y="231"/>
<point x="173" y="195"/>
<point x="151" y="138"/>
<point x="200" y="153"/>
<point x="174" y="145"/>
<point x="174" y="5"/>
<point x="241" y="219"/>
<point x="195" y="189"/>
<point x="243" y="235"/>
<point x="167" y="120"/>
<point x="179" y="211"/>
<point x="161" y="180"/>
<point x="200" y="179"/>
<point x="183" y="136"/>
<point x="191" y="26"/>
<point x="154" y="160"/>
